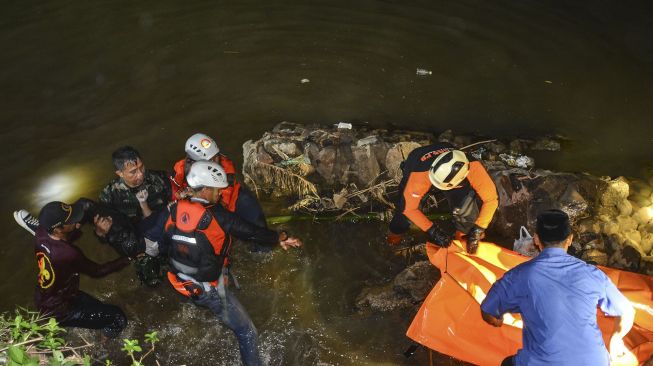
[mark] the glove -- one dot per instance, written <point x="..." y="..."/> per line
<point x="473" y="236"/>
<point x="141" y="196"/>
<point x="439" y="237"/>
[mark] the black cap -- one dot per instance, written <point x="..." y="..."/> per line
<point x="55" y="214"/>
<point x="553" y="226"/>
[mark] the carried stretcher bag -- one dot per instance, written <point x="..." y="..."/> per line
<point x="450" y="322"/>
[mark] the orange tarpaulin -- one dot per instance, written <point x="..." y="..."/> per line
<point x="450" y="322"/>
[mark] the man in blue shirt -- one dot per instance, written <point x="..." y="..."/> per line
<point x="557" y="296"/>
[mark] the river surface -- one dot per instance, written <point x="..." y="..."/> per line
<point x="81" y="78"/>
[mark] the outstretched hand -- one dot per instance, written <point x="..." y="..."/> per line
<point x="290" y="242"/>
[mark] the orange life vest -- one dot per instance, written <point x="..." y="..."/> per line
<point x="229" y="195"/>
<point x="198" y="246"/>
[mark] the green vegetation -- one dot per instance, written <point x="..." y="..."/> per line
<point x="27" y="338"/>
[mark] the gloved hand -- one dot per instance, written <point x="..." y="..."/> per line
<point x="439" y="237"/>
<point x="474" y="235"/>
<point x="141" y="195"/>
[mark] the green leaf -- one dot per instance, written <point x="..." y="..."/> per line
<point x="108" y="363"/>
<point x="86" y="361"/>
<point x="58" y="355"/>
<point x="152" y="337"/>
<point x="16" y="354"/>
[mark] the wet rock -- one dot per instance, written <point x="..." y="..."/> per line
<point x="646" y="267"/>
<point x="518" y="161"/>
<point x="417" y="280"/>
<point x="627" y="223"/>
<point x="643" y="216"/>
<point x="646" y="242"/>
<point x="589" y="225"/>
<point x="547" y="144"/>
<point x="519" y="146"/>
<point x="383" y="299"/>
<point x="617" y="190"/>
<point x="596" y="256"/>
<point x="461" y="141"/>
<point x="395" y="156"/>
<point x="324" y="163"/>
<point x="625" y="208"/>
<point x="409" y="287"/>
<point x="446" y="136"/>
<point x="365" y="167"/>
<point x="496" y="147"/>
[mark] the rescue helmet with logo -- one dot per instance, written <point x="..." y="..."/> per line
<point x="206" y="174"/>
<point x="201" y="147"/>
<point x="449" y="169"/>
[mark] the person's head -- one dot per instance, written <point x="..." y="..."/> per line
<point x="129" y="166"/>
<point x="60" y="219"/>
<point x="553" y="230"/>
<point x="207" y="179"/>
<point x="201" y="147"/>
<point x="449" y="169"/>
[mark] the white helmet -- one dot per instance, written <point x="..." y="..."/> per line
<point x="449" y="169"/>
<point x="206" y="174"/>
<point x="201" y="147"/>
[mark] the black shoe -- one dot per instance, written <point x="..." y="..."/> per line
<point x="27" y="221"/>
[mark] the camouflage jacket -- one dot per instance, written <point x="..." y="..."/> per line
<point x="123" y="198"/>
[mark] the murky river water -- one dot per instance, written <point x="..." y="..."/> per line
<point x="79" y="79"/>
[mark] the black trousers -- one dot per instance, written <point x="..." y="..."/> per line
<point x="89" y="312"/>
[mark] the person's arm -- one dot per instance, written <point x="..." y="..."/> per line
<point x="481" y="182"/>
<point x="488" y="318"/>
<point x="88" y="267"/>
<point x="615" y="304"/>
<point x="417" y="185"/>
<point x="499" y="300"/>
<point x="141" y="196"/>
<point x="244" y="230"/>
<point x="229" y="168"/>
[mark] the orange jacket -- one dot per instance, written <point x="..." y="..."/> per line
<point x="229" y="194"/>
<point x="417" y="184"/>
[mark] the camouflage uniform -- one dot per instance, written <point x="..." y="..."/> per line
<point x="122" y="198"/>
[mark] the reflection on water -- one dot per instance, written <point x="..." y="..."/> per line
<point x="80" y="79"/>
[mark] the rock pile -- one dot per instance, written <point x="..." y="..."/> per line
<point x="331" y="169"/>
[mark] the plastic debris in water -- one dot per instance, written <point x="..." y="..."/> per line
<point x="344" y="125"/>
<point x="304" y="81"/>
<point x="423" y="72"/>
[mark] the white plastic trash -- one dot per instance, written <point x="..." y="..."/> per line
<point x="423" y="72"/>
<point x="525" y="244"/>
<point x="344" y="126"/>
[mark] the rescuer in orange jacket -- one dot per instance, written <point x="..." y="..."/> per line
<point x="198" y="240"/>
<point x="236" y="197"/>
<point x="469" y="190"/>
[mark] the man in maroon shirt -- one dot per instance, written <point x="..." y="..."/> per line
<point x="59" y="265"/>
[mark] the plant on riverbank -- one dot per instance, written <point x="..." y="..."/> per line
<point x="28" y="338"/>
<point x="131" y="347"/>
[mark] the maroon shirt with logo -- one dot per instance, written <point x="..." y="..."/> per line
<point x="59" y="265"/>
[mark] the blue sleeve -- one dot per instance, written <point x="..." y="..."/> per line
<point x="501" y="298"/>
<point x="613" y="302"/>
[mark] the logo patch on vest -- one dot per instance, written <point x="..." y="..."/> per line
<point x="185" y="218"/>
<point x="46" y="273"/>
